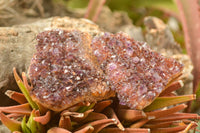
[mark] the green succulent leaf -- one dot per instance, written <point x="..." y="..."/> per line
<point x="31" y="123"/>
<point x="24" y="90"/>
<point x="13" y="125"/>
<point x="162" y="102"/>
<point x="25" y="128"/>
<point x="85" y="108"/>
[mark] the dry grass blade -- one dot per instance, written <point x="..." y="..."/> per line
<point x="111" y="114"/>
<point x="166" y="112"/>
<point x="14" y="116"/>
<point x="172" y="87"/>
<point x="65" y="123"/>
<point x="176" y="116"/>
<point x="13" y="125"/>
<point x="130" y="115"/>
<point x="6" y="9"/>
<point x="127" y="130"/>
<point x="74" y="114"/>
<point x="169" y="95"/>
<point x="17" y="78"/>
<point x="76" y="107"/>
<point x="25" y="81"/>
<point x="20" y="109"/>
<point x="93" y="116"/>
<point x="88" y="129"/>
<point x="189" y="126"/>
<point x="99" y="124"/>
<point x="43" y="119"/>
<point x="158" y="125"/>
<point x="169" y="129"/>
<point x="139" y="123"/>
<point x="102" y="105"/>
<point x="18" y="97"/>
<point x="58" y="130"/>
<point x="85" y="114"/>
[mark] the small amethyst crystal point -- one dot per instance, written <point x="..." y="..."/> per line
<point x="137" y="74"/>
<point x="63" y="73"/>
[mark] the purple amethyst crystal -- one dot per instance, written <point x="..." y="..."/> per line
<point x="69" y="67"/>
<point x="147" y="71"/>
<point x="63" y="73"/>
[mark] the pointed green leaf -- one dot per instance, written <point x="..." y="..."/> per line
<point x="82" y="109"/>
<point x="31" y="123"/>
<point x="161" y="102"/>
<point x="85" y="108"/>
<point x="25" y="128"/>
<point x="24" y="90"/>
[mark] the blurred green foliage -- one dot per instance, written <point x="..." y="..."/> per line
<point x="77" y="3"/>
<point x="137" y="10"/>
<point x="134" y="8"/>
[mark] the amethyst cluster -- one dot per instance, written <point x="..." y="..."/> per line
<point x="63" y="73"/>
<point x="70" y="67"/>
<point x="135" y="72"/>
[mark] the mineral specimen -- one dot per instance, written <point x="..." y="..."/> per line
<point x="63" y="73"/>
<point x="135" y="72"/>
<point x="70" y="67"/>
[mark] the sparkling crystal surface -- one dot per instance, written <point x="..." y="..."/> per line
<point x="70" y="67"/>
<point x="137" y="74"/>
<point x="62" y="71"/>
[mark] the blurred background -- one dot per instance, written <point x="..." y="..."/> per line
<point x="14" y="12"/>
<point x="170" y="27"/>
<point x="169" y="30"/>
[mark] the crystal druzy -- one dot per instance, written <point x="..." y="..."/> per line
<point x="63" y="72"/>
<point x="135" y="72"/>
<point x="71" y="67"/>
